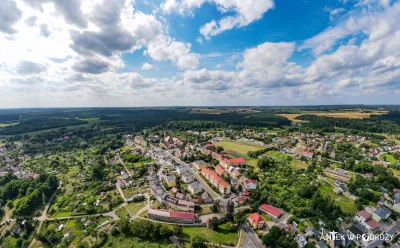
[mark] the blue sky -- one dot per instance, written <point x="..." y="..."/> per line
<point x="199" y="52"/>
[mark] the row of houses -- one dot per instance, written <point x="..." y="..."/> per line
<point x="223" y="186"/>
<point x="175" y="217"/>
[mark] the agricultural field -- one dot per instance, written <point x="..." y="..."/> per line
<point x="346" y="204"/>
<point x="346" y="114"/>
<point x="220" y="236"/>
<point x="217" y="111"/>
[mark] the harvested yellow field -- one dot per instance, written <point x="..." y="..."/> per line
<point x="347" y="114"/>
<point x="292" y="117"/>
<point x="217" y="111"/>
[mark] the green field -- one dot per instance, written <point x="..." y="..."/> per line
<point x="278" y="155"/>
<point x="236" y="149"/>
<point x="135" y="207"/>
<point x="121" y="212"/>
<point x="346" y="204"/>
<point x="222" y="235"/>
<point x="389" y="158"/>
<point x="62" y="214"/>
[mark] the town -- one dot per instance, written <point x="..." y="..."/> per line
<point x="230" y="187"/>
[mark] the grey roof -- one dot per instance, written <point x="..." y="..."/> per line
<point x="321" y="244"/>
<point x="355" y="230"/>
<point x="380" y="212"/>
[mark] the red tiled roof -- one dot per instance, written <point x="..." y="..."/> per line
<point x="270" y="209"/>
<point x="364" y="214"/>
<point x="219" y="169"/>
<point x="223" y="183"/>
<point x="255" y="217"/>
<point x="372" y="223"/>
<point x="250" y="181"/>
<point x="183" y="215"/>
<point x="238" y="160"/>
<point x="215" y="177"/>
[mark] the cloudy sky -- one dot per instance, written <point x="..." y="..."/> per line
<point x="58" y="53"/>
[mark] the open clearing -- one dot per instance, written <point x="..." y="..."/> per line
<point x="221" y="235"/>
<point x="389" y="158"/>
<point x="346" y="204"/>
<point x="347" y="114"/>
<point x="236" y="149"/>
<point x="217" y="111"/>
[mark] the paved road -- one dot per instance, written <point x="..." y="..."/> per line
<point x="251" y="240"/>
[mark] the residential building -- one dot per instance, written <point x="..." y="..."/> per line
<point x="301" y="240"/>
<point x="225" y="163"/>
<point x="220" y="171"/>
<point x="363" y="216"/>
<point x="321" y="244"/>
<point x="170" y="180"/>
<point x="140" y="141"/>
<point x="256" y="221"/>
<point x="380" y="215"/>
<point x="195" y="188"/>
<point x="199" y="164"/>
<point x="238" y="161"/>
<point x="250" y="184"/>
<point x="120" y="183"/>
<point x="235" y="173"/>
<point x="371" y="224"/>
<point x="181" y="169"/>
<point x="270" y="210"/>
<point x="154" y="138"/>
<point x="177" y="217"/>
<point x="187" y="177"/>
<point x="217" y="181"/>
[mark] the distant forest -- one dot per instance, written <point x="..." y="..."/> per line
<point x="135" y="119"/>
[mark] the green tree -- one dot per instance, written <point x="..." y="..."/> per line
<point x="198" y="242"/>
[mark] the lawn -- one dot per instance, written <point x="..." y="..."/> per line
<point x="135" y="207"/>
<point x="299" y="164"/>
<point x="121" y="212"/>
<point x="252" y="162"/>
<point x="236" y="149"/>
<point x="62" y="214"/>
<point x="346" y="204"/>
<point x="204" y="210"/>
<point x="396" y="172"/>
<point x="389" y="158"/>
<point x="278" y="155"/>
<point x="125" y="241"/>
<point x="222" y="235"/>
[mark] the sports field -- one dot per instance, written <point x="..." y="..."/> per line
<point x="236" y="149"/>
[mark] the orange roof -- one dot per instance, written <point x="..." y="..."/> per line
<point x="219" y="169"/>
<point x="215" y="177"/>
<point x="223" y="183"/>
<point x="238" y="160"/>
<point x="256" y="218"/>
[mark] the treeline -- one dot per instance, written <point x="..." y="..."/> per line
<point x="30" y="192"/>
<point x="37" y="124"/>
<point x="375" y="124"/>
<point x="255" y="154"/>
<point x="148" y="230"/>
